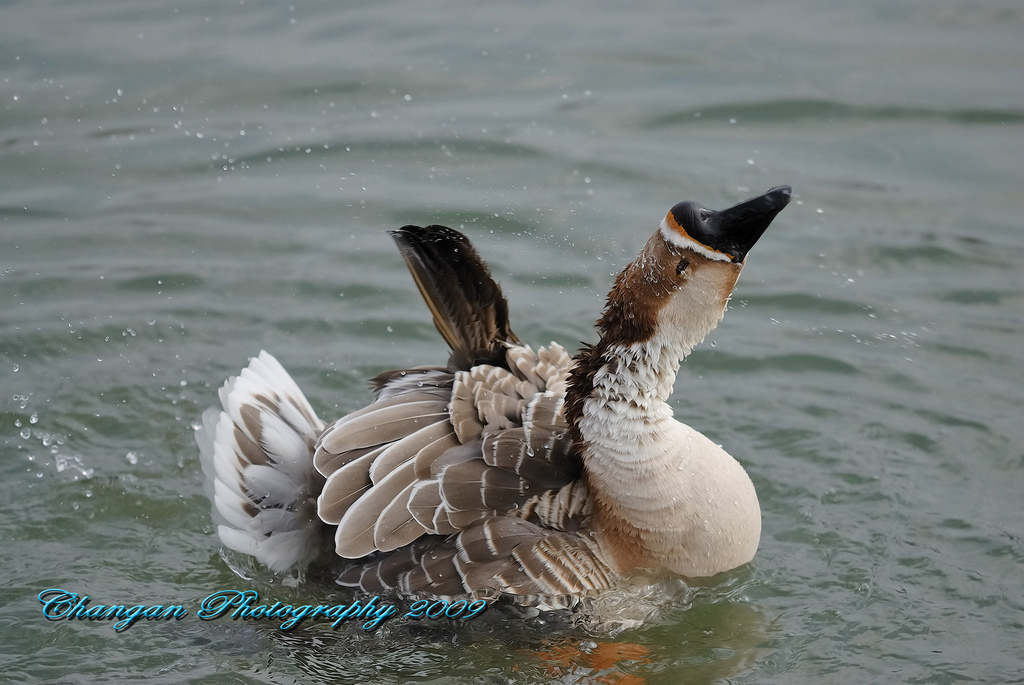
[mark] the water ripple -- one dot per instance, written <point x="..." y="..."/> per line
<point x="789" y="111"/>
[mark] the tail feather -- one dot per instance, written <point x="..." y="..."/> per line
<point x="469" y="310"/>
<point x="257" y="454"/>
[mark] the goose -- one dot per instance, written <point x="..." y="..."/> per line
<point x="531" y="475"/>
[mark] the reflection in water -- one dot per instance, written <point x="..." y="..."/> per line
<point x="710" y="632"/>
<point x="720" y="641"/>
<point x="709" y="643"/>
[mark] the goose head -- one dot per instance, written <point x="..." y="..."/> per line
<point x="679" y="285"/>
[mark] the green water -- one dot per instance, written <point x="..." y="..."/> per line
<point x="183" y="184"/>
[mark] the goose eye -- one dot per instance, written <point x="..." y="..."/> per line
<point x="681" y="266"/>
<point x="704" y="215"/>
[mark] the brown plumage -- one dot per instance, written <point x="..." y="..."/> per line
<point x="508" y="472"/>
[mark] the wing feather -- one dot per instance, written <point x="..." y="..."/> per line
<point x="396" y="526"/>
<point x="387" y="424"/>
<point x="414" y="444"/>
<point x="497" y="557"/>
<point x="469" y="309"/>
<point x="355" y="535"/>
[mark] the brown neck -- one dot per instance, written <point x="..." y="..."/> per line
<point x="630" y="316"/>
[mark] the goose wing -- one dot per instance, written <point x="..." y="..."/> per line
<point x="441" y="450"/>
<point x="465" y="476"/>
<point x="483" y="498"/>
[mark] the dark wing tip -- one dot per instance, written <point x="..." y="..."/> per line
<point x="469" y="309"/>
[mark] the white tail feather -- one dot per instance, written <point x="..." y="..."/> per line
<point x="257" y="454"/>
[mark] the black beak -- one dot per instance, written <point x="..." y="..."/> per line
<point x="732" y="231"/>
<point x="741" y="226"/>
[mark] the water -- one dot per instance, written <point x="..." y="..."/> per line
<point x="184" y="184"/>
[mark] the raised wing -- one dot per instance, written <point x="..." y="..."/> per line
<point x="469" y="310"/>
<point x="466" y="475"/>
<point x="456" y="479"/>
